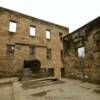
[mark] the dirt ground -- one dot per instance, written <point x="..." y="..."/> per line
<point x="6" y="92"/>
<point x="68" y="89"/>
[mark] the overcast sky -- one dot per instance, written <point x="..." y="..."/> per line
<point x="69" y="13"/>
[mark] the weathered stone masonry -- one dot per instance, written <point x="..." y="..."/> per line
<point x="88" y="36"/>
<point x="22" y="41"/>
<point x="49" y="52"/>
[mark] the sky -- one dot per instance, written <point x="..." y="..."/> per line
<point x="81" y="52"/>
<point x="70" y="13"/>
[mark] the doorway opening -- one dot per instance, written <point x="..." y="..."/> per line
<point x="51" y="72"/>
<point x="63" y="72"/>
<point x="35" y="66"/>
<point x="30" y="68"/>
<point x="26" y="64"/>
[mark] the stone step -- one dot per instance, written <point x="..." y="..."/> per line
<point x="27" y="74"/>
<point x="39" y="80"/>
<point x="39" y="83"/>
<point x="36" y="83"/>
<point x="31" y="77"/>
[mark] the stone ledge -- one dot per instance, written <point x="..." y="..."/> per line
<point x="9" y="79"/>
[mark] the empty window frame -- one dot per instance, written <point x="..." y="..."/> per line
<point x="49" y="55"/>
<point x="81" y="52"/>
<point x="12" y="26"/>
<point x="61" y="54"/>
<point x="32" y="31"/>
<point x="61" y="36"/>
<point x="32" y="50"/>
<point x="10" y="50"/>
<point x="48" y="34"/>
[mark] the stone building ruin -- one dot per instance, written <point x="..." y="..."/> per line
<point x="37" y="48"/>
<point x="27" y="42"/>
<point x="87" y="40"/>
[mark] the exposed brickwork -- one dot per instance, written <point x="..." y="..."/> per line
<point x="10" y="66"/>
<point x="87" y="36"/>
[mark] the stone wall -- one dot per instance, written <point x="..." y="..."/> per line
<point x="87" y="36"/>
<point x="11" y="66"/>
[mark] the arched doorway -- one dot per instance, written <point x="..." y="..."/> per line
<point x="35" y="65"/>
<point x="30" y="68"/>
